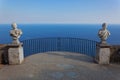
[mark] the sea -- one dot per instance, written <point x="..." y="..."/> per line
<point x="83" y="31"/>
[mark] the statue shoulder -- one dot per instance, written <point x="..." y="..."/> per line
<point x="100" y="30"/>
<point x="12" y="31"/>
<point x="20" y="31"/>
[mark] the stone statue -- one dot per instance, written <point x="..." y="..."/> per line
<point x="103" y="33"/>
<point x="15" y="34"/>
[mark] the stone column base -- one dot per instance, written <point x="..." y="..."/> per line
<point x="103" y="54"/>
<point x="15" y="54"/>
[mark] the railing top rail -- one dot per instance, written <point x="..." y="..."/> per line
<point x="61" y="38"/>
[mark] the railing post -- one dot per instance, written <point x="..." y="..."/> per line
<point x="58" y="44"/>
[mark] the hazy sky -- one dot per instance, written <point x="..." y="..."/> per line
<point x="60" y="11"/>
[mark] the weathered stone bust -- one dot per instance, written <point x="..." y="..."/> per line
<point x="15" y="34"/>
<point x="103" y="33"/>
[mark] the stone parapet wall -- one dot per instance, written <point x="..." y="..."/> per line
<point x="3" y="53"/>
<point x="115" y="54"/>
<point x="11" y="53"/>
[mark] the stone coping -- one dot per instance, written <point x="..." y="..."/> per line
<point x="15" y="45"/>
<point x="104" y="45"/>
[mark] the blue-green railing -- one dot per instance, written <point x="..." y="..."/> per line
<point x="83" y="46"/>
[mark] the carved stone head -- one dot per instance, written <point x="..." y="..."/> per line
<point x="14" y="25"/>
<point x="104" y="26"/>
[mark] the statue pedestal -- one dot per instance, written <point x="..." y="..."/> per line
<point x="103" y="54"/>
<point x="15" y="54"/>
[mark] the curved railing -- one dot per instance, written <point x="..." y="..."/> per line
<point x="83" y="46"/>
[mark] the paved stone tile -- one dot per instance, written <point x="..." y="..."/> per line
<point x="60" y="66"/>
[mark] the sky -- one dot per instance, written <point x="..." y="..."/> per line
<point x="60" y="11"/>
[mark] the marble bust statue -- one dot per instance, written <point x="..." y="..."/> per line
<point x="103" y="33"/>
<point x="15" y="34"/>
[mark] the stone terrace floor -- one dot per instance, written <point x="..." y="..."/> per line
<point x="60" y="66"/>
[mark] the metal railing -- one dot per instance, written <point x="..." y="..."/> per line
<point x="39" y="45"/>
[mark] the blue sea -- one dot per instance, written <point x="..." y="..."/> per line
<point x="84" y="31"/>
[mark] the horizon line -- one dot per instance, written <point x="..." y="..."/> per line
<point x="64" y="23"/>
